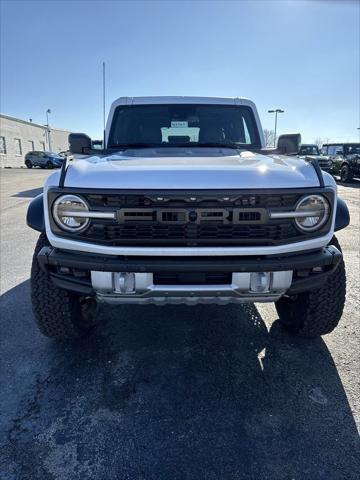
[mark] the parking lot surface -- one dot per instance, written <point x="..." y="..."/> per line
<point x="175" y="392"/>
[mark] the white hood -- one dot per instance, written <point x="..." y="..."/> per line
<point x="186" y="168"/>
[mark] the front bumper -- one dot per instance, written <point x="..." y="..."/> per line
<point x="291" y="274"/>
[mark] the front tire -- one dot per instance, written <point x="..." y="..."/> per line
<point x="318" y="312"/>
<point x="346" y="174"/>
<point x="49" y="165"/>
<point x="28" y="164"/>
<point x="58" y="313"/>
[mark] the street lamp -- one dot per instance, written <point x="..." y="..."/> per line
<point x="48" y="128"/>
<point x="276" y="111"/>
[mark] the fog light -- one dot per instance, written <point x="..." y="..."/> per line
<point x="124" y="282"/>
<point x="260" y="282"/>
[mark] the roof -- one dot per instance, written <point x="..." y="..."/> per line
<point x="180" y="99"/>
<point x="339" y="143"/>
<point x="27" y="122"/>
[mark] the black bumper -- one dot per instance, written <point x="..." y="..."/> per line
<point x="71" y="270"/>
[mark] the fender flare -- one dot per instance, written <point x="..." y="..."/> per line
<point x="345" y="162"/>
<point x="35" y="214"/>
<point x="342" y="218"/>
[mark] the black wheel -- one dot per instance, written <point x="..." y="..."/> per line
<point x="28" y="164"/>
<point x="318" y="312"/>
<point x="58" y="313"/>
<point x="346" y="174"/>
<point x="49" y="165"/>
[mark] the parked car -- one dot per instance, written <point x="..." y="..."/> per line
<point x="186" y="205"/>
<point x="43" y="160"/>
<point x="345" y="159"/>
<point x="311" y="151"/>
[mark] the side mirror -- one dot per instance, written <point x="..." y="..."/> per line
<point x="289" y="144"/>
<point x="79" y="143"/>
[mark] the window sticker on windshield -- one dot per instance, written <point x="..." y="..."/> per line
<point x="179" y="124"/>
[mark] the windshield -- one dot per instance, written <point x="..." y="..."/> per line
<point x="352" y="149"/>
<point x="183" y="125"/>
<point x="309" y="150"/>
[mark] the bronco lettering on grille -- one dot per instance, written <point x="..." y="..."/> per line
<point x="192" y="215"/>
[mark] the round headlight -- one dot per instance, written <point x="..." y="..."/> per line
<point x="69" y="212"/>
<point x="312" y="212"/>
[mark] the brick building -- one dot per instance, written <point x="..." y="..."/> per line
<point x="17" y="137"/>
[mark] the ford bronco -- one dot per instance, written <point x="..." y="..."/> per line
<point x="184" y="204"/>
<point x="311" y="151"/>
<point x="345" y="158"/>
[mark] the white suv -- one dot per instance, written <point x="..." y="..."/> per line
<point x="185" y="205"/>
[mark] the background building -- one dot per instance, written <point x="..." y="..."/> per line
<point x="17" y="137"/>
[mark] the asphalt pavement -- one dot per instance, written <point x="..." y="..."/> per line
<point x="175" y="392"/>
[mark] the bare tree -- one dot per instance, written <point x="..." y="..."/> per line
<point x="318" y="142"/>
<point x="269" y="136"/>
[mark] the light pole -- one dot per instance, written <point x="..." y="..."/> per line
<point x="48" y="128"/>
<point x="276" y="111"/>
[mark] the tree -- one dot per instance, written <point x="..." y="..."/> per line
<point x="318" y="142"/>
<point x="269" y="136"/>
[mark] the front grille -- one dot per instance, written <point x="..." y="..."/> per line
<point x="180" y="218"/>
<point x="98" y="201"/>
<point x="324" y="163"/>
<point x="191" y="235"/>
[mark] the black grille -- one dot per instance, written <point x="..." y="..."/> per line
<point x="191" y="234"/>
<point x="192" y="278"/>
<point x="156" y="222"/>
<point x="208" y="200"/>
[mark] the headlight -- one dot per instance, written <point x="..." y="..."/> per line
<point x="312" y="212"/>
<point x="70" y="213"/>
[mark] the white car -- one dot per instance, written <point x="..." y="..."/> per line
<point x="184" y="204"/>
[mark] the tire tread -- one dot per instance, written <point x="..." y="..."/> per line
<point x="55" y="310"/>
<point x="317" y="312"/>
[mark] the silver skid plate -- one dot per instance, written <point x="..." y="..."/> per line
<point x="139" y="288"/>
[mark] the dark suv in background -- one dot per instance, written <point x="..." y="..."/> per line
<point x="345" y="159"/>
<point x="43" y="160"/>
<point x="311" y="151"/>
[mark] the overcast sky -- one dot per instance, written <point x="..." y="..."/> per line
<point x="301" y="56"/>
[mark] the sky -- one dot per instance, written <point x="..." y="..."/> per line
<point x="301" y="56"/>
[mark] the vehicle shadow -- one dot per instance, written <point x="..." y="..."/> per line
<point x="353" y="184"/>
<point x="174" y="392"/>
<point x="33" y="192"/>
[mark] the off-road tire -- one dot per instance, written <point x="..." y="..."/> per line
<point x="58" y="313"/>
<point x="28" y="164"/>
<point x="346" y="174"/>
<point x="317" y="312"/>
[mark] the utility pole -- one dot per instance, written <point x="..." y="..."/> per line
<point x="104" y="120"/>
<point x="48" y="128"/>
<point x="276" y="111"/>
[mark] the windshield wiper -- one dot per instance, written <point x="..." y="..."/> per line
<point x="219" y="145"/>
<point x="125" y="146"/>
